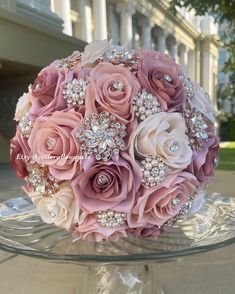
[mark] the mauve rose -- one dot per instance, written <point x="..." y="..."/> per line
<point x="108" y="185"/>
<point x="47" y="90"/>
<point x="19" y="152"/>
<point x="205" y="161"/>
<point x="60" y="209"/>
<point x="152" y="68"/>
<point x="158" y="205"/>
<point x="89" y="229"/>
<point x="53" y="142"/>
<point x="104" y="96"/>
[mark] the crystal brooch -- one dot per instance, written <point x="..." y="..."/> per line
<point x="75" y="91"/>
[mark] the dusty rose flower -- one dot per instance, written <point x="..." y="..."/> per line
<point x="60" y="209"/>
<point x="153" y="69"/>
<point x="19" y="153"/>
<point x="52" y="142"/>
<point x="90" y="229"/>
<point x="204" y="162"/>
<point x="112" y="88"/>
<point x="158" y="205"/>
<point x="108" y="185"/>
<point x="22" y="107"/>
<point x="162" y="135"/>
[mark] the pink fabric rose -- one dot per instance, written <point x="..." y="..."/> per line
<point x="53" y="143"/>
<point x="152" y="70"/>
<point x="19" y="152"/>
<point x="104" y="94"/>
<point x="47" y="90"/>
<point x="204" y="162"/>
<point x="158" y="205"/>
<point x="108" y="185"/>
<point x="91" y="230"/>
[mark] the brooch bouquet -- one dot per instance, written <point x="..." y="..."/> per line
<point x="114" y="143"/>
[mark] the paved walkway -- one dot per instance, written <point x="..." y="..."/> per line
<point x="209" y="273"/>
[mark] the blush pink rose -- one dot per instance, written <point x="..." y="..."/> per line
<point x="152" y="68"/>
<point x="205" y="161"/>
<point x="47" y="90"/>
<point x="89" y="229"/>
<point x="158" y="205"/>
<point x="53" y="143"/>
<point x="19" y="153"/>
<point x="104" y="96"/>
<point x="121" y="179"/>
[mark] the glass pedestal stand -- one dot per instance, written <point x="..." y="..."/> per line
<point x="117" y="267"/>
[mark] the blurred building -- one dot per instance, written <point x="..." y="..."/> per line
<point x="32" y="37"/>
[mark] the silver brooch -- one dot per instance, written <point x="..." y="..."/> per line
<point x="111" y="218"/>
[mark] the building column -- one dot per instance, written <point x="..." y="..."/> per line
<point x="207" y="72"/>
<point x="62" y="8"/>
<point x="174" y="49"/>
<point x="85" y="13"/>
<point x="126" y="28"/>
<point x="100" y="19"/>
<point x="191" y="69"/>
<point x="147" y="26"/>
<point x="113" y="27"/>
<point x="161" y="40"/>
<point x="183" y="57"/>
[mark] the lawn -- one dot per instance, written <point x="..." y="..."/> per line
<point x="227" y="156"/>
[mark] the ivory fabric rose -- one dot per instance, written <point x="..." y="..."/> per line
<point x="157" y="73"/>
<point x="53" y="143"/>
<point x="158" y="205"/>
<point x="94" y="51"/>
<point x="90" y="229"/>
<point x="19" y="153"/>
<point x="23" y="105"/>
<point x="108" y="185"/>
<point x="163" y="135"/>
<point x="105" y="95"/>
<point x="202" y="102"/>
<point x="60" y="209"/>
<point x="204" y="161"/>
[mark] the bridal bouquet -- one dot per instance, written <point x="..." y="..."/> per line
<point x="114" y="143"/>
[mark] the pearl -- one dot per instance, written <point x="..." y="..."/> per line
<point x="174" y="147"/>
<point x="110" y="218"/>
<point x="102" y="179"/>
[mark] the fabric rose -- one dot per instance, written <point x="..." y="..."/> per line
<point x="89" y="229"/>
<point x="204" y="162"/>
<point x="108" y="185"/>
<point x="23" y="105"/>
<point x="53" y="143"/>
<point x="112" y="88"/>
<point x="94" y="51"/>
<point x="202" y="102"/>
<point x="157" y="72"/>
<point x="162" y="135"/>
<point x="60" y="209"/>
<point x="158" y="205"/>
<point x="19" y="153"/>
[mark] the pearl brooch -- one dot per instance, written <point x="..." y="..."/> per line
<point x="154" y="171"/>
<point x="101" y="136"/>
<point x="111" y="218"/>
<point x="75" y="91"/>
<point x="25" y="126"/>
<point x="145" y="104"/>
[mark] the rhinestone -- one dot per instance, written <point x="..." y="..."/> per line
<point x="174" y="147"/>
<point x="117" y="85"/>
<point x="52" y="213"/>
<point x="175" y="201"/>
<point x="51" y="143"/>
<point x="167" y="78"/>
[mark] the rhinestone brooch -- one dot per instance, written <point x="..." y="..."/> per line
<point x="70" y="62"/>
<point x="101" y="136"/>
<point x="75" y="91"/>
<point x="40" y="178"/>
<point x="145" y="105"/>
<point x="25" y="126"/>
<point x="111" y="219"/>
<point x="196" y="127"/>
<point x="187" y="85"/>
<point x="154" y="171"/>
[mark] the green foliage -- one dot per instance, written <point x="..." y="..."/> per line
<point x="227" y="158"/>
